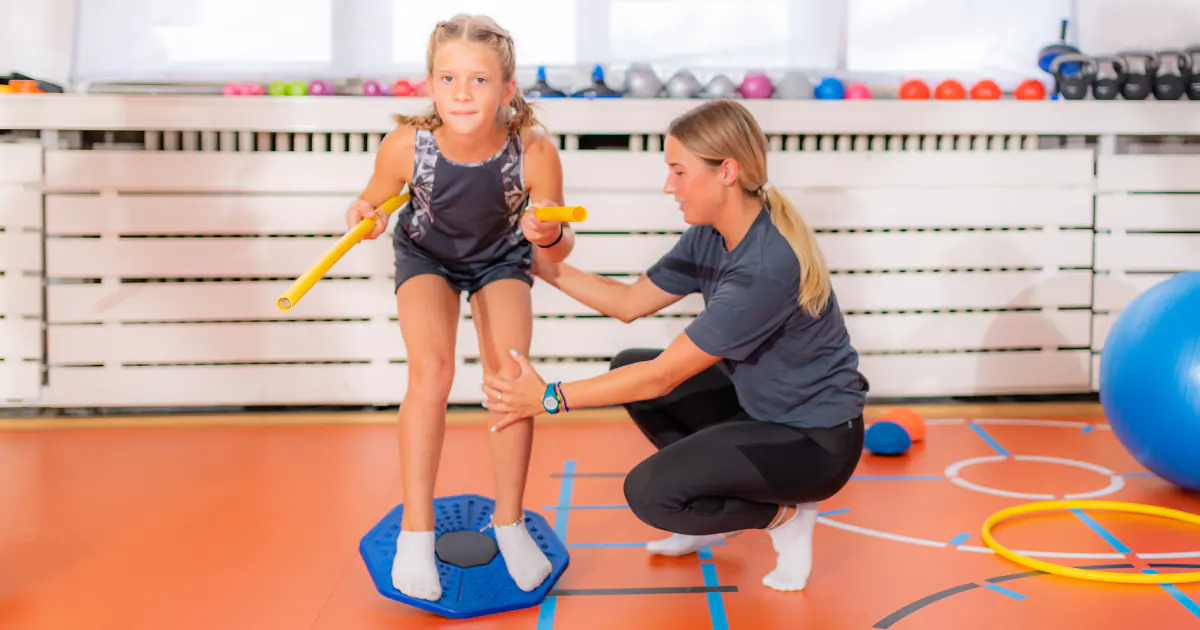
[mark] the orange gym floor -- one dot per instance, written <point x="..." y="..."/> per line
<point x="202" y="523"/>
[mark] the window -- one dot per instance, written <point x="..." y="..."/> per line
<point x="164" y="39"/>
<point x="700" y="33"/>
<point x="263" y="40"/>
<point x="544" y="31"/>
<point x="992" y="38"/>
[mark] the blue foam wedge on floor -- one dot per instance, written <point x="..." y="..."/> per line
<point x="481" y="590"/>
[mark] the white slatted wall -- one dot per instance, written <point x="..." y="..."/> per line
<point x="1148" y="228"/>
<point x="975" y="250"/>
<point x="20" y="273"/>
<point x="962" y="263"/>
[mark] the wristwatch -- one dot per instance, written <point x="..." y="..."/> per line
<point x="550" y="399"/>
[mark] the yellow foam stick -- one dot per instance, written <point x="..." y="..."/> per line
<point x="573" y="214"/>
<point x="335" y="253"/>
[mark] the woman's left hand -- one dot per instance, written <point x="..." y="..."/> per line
<point x="518" y="398"/>
<point x="537" y="231"/>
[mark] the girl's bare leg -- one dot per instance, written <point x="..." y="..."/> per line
<point x="429" y="314"/>
<point x="503" y="320"/>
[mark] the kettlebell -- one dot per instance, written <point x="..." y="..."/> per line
<point x="642" y="82"/>
<point x="1193" y="87"/>
<point x="721" y="86"/>
<point x="1047" y="54"/>
<point x="1170" y="82"/>
<point x="1073" y="86"/>
<point x="1110" y="72"/>
<point x="1140" y="68"/>
<point x="683" y="84"/>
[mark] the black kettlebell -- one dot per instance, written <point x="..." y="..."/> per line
<point x="1174" y="70"/>
<point x="1110" y="72"/>
<point x="1073" y="85"/>
<point x="1140" y="69"/>
<point x="1193" y="87"/>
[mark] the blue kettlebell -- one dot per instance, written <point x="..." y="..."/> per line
<point x="830" y="89"/>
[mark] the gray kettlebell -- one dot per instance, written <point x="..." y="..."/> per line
<point x="794" y="85"/>
<point x="721" y="86"/>
<point x="683" y="84"/>
<point x="642" y="82"/>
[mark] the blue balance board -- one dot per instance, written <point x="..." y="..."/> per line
<point x="481" y="589"/>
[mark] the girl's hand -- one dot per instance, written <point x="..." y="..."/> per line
<point x="537" y="231"/>
<point x="360" y="210"/>
<point x="519" y="398"/>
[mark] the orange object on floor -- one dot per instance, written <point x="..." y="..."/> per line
<point x="257" y="527"/>
<point x="909" y="419"/>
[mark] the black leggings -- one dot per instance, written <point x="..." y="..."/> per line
<point x="717" y="470"/>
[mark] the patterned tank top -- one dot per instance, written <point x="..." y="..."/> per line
<point x="465" y="213"/>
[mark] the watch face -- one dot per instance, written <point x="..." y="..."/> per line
<point x="550" y="402"/>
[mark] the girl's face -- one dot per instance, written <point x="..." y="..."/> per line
<point x="699" y="187"/>
<point x="467" y="86"/>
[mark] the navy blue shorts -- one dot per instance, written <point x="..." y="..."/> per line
<point x="412" y="261"/>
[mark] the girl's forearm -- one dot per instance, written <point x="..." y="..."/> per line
<point x="560" y="250"/>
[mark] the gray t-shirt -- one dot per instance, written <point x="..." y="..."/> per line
<point x="786" y="366"/>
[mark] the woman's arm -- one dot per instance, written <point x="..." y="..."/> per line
<point x="544" y="178"/>
<point x="607" y="296"/>
<point x="522" y="397"/>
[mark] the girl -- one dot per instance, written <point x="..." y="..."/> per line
<point x="756" y="441"/>
<point x="472" y="164"/>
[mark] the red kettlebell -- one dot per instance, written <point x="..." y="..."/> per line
<point x="950" y="90"/>
<point x="1030" y="90"/>
<point x="403" y="88"/>
<point x="914" y="89"/>
<point x="985" y="90"/>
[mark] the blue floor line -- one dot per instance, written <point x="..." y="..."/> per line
<point x="1003" y="591"/>
<point x="566" y="487"/>
<point x="716" y="603"/>
<point x="990" y="440"/>
<point x="1171" y="589"/>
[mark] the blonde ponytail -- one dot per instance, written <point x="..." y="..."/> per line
<point x="815" y="287"/>
<point x="523" y="114"/>
<point x="723" y="129"/>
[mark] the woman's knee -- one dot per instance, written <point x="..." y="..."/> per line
<point x="653" y="497"/>
<point x="630" y="356"/>
<point x="643" y="495"/>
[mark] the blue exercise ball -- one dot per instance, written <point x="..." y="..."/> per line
<point x="1150" y="379"/>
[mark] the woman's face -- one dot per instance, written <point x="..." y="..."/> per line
<point x="698" y="187"/>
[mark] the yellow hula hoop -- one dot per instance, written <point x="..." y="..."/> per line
<point x="1089" y="574"/>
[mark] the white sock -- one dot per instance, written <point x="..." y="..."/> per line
<point x="414" y="569"/>
<point x="683" y="544"/>
<point x="793" y="540"/>
<point x="526" y="563"/>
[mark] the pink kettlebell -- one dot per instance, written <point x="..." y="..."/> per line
<point x="858" y="91"/>
<point x="757" y="85"/>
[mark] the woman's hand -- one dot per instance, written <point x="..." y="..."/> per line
<point x="519" y="398"/>
<point x="360" y="210"/>
<point x="539" y="232"/>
